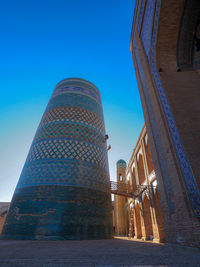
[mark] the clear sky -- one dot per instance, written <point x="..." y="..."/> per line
<point x="43" y="42"/>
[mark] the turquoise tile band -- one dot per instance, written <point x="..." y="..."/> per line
<point x="64" y="188"/>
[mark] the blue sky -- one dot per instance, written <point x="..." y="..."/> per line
<point x="43" y="42"/>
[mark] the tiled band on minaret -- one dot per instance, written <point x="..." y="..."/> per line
<point x="64" y="188"/>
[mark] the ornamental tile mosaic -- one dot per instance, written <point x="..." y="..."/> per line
<point x="76" y="100"/>
<point x="158" y="143"/>
<point x="75" y="89"/>
<point x="147" y="27"/>
<point x="64" y="172"/>
<point x="91" y="88"/>
<point x="121" y="164"/>
<point x="149" y="39"/>
<point x="70" y="130"/>
<point x="68" y="149"/>
<point x="140" y="15"/>
<point x="191" y="185"/>
<point x="65" y="179"/>
<point x="74" y="114"/>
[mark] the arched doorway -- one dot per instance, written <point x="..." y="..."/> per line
<point x="149" y="159"/>
<point x="141" y="173"/>
<point x="159" y="216"/>
<point x="133" y="180"/>
<point x="138" y="228"/>
<point x="131" y="221"/>
<point x="147" y="218"/>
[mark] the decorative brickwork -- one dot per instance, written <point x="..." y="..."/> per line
<point x="64" y="189"/>
<point x="169" y="94"/>
<point x="145" y="214"/>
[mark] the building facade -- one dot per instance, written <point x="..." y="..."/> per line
<point x="64" y="188"/>
<point x="138" y="213"/>
<point x="145" y="214"/>
<point x="166" y="54"/>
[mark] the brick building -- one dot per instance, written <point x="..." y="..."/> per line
<point x="139" y="215"/>
<point x="145" y="215"/>
<point x="165" y="47"/>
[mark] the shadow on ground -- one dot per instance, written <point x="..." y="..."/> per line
<point x="113" y="252"/>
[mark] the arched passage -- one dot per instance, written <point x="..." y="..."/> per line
<point x="147" y="218"/>
<point x="141" y="173"/>
<point x="133" y="179"/>
<point x="159" y="216"/>
<point x="149" y="159"/>
<point x="131" y="222"/>
<point x="138" y="228"/>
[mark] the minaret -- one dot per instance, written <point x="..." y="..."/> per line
<point x="64" y="188"/>
<point x="120" y="204"/>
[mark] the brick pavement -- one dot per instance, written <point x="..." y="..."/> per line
<point x="96" y="253"/>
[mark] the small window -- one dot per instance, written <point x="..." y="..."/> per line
<point x="120" y="178"/>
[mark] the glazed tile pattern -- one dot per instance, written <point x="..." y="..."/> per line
<point x="58" y="213"/>
<point x="68" y="149"/>
<point x="149" y="42"/>
<point x="75" y="89"/>
<point x="65" y="172"/>
<point x="159" y="147"/>
<point x="75" y="100"/>
<point x="88" y="89"/>
<point x="121" y="164"/>
<point x="147" y="27"/>
<point x="70" y="130"/>
<point x="140" y="16"/>
<point x="68" y="157"/>
<point x="74" y="114"/>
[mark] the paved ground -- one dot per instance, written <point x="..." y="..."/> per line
<point x="96" y="253"/>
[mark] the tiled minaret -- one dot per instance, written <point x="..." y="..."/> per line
<point x="121" y="214"/>
<point x="64" y="190"/>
